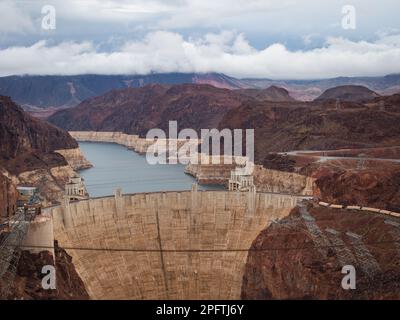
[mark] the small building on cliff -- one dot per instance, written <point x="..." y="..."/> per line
<point x="75" y="189"/>
<point x="240" y="181"/>
<point x="28" y="201"/>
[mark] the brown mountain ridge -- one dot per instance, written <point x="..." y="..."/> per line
<point x="28" y="143"/>
<point x="348" y="93"/>
<point x="279" y="126"/>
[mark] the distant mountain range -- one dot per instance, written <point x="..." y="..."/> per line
<point x="35" y="93"/>
<point x="136" y="110"/>
<point x="279" y="125"/>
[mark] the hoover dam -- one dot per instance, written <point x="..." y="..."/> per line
<point x="164" y="245"/>
<point x="170" y="245"/>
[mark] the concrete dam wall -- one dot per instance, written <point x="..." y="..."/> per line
<point x="167" y="245"/>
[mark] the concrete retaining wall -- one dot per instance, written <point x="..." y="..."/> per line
<point x="40" y="236"/>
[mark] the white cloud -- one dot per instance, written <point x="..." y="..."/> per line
<point x="13" y="19"/>
<point x="109" y="11"/>
<point x="170" y="14"/>
<point x="189" y="13"/>
<point x="226" y="52"/>
<point x="152" y="14"/>
<point x="309" y="38"/>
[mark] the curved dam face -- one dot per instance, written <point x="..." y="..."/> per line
<point x="170" y="245"/>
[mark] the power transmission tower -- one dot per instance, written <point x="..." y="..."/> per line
<point x="10" y="251"/>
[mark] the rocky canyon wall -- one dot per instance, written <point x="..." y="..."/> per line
<point x="8" y="197"/>
<point x="27" y="284"/>
<point x="267" y="180"/>
<point x="75" y="158"/>
<point x="134" y="142"/>
<point x="49" y="181"/>
<point x="35" y="153"/>
<point x="130" y="141"/>
<point x="313" y="244"/>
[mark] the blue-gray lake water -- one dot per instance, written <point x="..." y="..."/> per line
<point x="115" y="166"/>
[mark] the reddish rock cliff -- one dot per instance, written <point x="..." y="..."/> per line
<point x="378" y="188"/>
<point x="271" y="93"/>
<point x="8" y="197"/>
<point x="27" y="147"/>
<point x="348" y="93"/>
<point x="318" y="125"/>
<point x="27" y="284"/>
<point x="137" y="110"/>
<point x="287" y="262"/>
<point x="27" y="143"/>
<point x="31" y="152"/>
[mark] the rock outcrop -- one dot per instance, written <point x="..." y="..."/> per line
<point x="21" y="134"/>
<point x="8" y="197"/>
<point x="271" y="93"/>
<point x="75" y="158"/>
<point x="378" y="188"/>
<point x="302" y="256"/>
<point x="348" y="93"/>
<point x="36" y="153"/>
<point x="49" y="181"/>
<point x="267" y="180"/>
<point x="28" y="279"/>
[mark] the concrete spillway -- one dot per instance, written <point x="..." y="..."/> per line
<point x="165" y="245"/>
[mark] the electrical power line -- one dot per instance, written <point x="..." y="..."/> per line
<point x="205" y="250"/>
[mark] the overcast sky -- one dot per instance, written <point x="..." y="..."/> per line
<point x="279" y="39"/>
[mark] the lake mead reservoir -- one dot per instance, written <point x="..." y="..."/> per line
<point x="114" y="166"/>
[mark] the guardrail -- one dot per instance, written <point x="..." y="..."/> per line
<point x="360" y="208"/>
